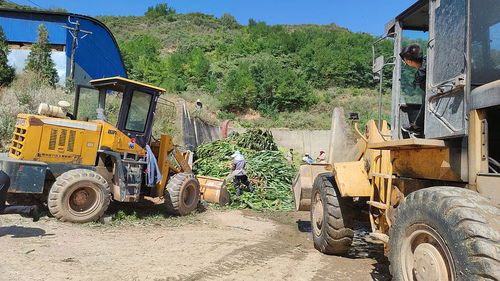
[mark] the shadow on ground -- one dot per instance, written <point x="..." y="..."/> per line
<point x="22" y="232"/>
<point x="362" y="248"/>
<point x="139" y="210"/>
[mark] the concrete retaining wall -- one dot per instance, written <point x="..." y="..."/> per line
<point x="195" y="133"/>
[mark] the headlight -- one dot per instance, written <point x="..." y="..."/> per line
<point x="21" y="122"/>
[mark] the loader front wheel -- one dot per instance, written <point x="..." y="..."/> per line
<point x="182" y="194"/>
<point x="329" y="217"/>
<point x="79" y="196"/>
<point x="445" y="233"/>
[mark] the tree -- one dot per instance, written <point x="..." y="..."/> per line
<point x="39" y="59"/>
<point x="141" y="56"/>
<point x="239" y="89"/>
<point x="159" y="10"/>
<point x="229" y="21"/>
<point x="7" y="72"/>
<point x="252" y="22"/>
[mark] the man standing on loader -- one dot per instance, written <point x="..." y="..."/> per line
<point x="412" y="55"/>
<point x="239" y="174"/>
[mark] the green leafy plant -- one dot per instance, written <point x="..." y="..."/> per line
<point x="268" y="170"/>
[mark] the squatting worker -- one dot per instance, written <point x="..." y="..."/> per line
<point x="239" y="174"/>
<point x="413" y="56"/>
<point x="27" y="211"/>
<point x="321" y="157"/>
<point x="307" y="159"/>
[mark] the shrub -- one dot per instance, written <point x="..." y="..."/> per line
<point x="228" y="21"/>
<point x="23" y="96"/>
<point x="265" y="85"/>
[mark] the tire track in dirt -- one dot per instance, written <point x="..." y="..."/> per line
<point x="254" y="254"/>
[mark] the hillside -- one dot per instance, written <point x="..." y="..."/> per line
<point x="12" y="5"/>
<point x="258" y="75"/>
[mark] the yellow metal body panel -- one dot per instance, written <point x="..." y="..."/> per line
<point x="114" y="140"/>
<point x="128" y="81"/>
<point x="352" y="179"/>
<point x="407" y="144"/>
<point x="213" y="190"/>
<point x="170" y="161"/>
<point x="55" y="140"/>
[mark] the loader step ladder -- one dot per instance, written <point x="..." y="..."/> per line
<point x="381" y="180"/>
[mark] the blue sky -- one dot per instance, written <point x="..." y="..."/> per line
<point x="357" y="15"/>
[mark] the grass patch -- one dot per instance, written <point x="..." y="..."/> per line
<point x="145" y="212"/>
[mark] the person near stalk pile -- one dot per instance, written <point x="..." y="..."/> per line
<point x="239" y="174"/>
<point x="322" y="157"/>
<point x="289" y="156"/>
<point x="26" y="211"/>
<point x="307" y="159"/>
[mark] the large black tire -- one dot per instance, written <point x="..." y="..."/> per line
<point x="445" y="233"/>
<point x="182" y="194"/>
<point x="79" y="196"/>
<point x="329" y="217"/>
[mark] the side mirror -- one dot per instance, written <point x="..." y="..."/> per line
<point x="378" y="65"/>
<point x="354" y="116"/>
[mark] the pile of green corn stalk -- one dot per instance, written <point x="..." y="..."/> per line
<point x="267" y="169"/>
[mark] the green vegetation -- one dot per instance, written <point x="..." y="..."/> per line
<point x="23" y="96"/>
<point x="277" y="73"/>
<point x="267" y="170"/>
<point x="159" y="10"/>
<point x="39" y="60"/>
<point x="12" y="5"/>
<point x="7" y="72"/>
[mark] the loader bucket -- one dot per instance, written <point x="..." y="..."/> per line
<point x="213" y="190"/>
<point x="302" y="186"/>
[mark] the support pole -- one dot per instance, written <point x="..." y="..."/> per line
<point x="75" y="32"/>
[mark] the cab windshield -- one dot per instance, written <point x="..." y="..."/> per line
<point x="88" y="102"/>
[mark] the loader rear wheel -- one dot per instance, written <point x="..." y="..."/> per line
<point x="445" y="233"/>
<point x="79" y="196"/>
<point x="182" y="194"/>
<point x="329" y="217"/>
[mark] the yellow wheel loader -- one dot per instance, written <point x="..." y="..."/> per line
<point x="432" y="198"/>
<point x="101" y="151"/>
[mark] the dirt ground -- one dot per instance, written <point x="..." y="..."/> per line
<point x="214" y="245"/>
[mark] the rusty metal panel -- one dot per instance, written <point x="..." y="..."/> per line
<point x="429" y="163"/>
<point x="352" y="179"/>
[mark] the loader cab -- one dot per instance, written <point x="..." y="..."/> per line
<point x="126" y="104"/>
<point x="441" y="28"/>
<point x="461" y="40"/>
<point x="462" y="97"/>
